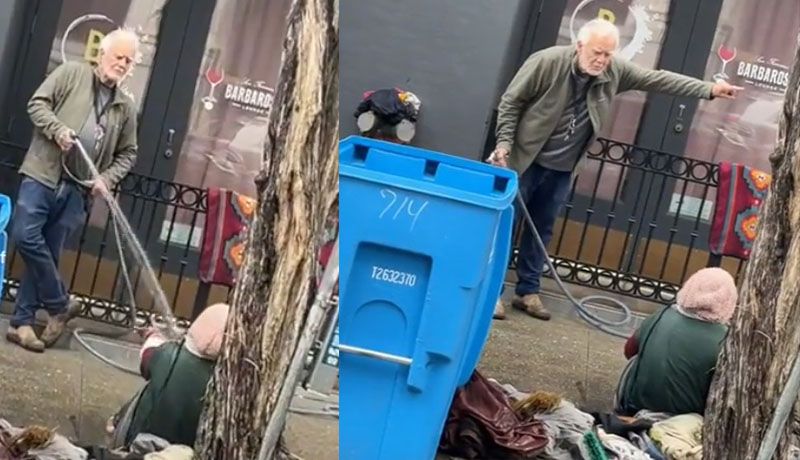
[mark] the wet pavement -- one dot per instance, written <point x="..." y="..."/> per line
<point x="70" y="390"/>
<point x="564" y="355"/>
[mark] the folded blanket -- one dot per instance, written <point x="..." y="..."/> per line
<point x="740" y="193"/>
<point x="680" y="437"/>
<point x="175" y="452"/>
<point x="224" y="236"/>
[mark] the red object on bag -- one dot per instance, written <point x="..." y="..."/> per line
<point x="224" y="236"/>
<point x="740" y="194"/>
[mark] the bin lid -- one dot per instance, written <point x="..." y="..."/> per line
<point x="426" y="171"/>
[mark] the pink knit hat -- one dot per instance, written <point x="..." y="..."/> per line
<point x="710" y="294"/>
<point x="204" y="337"/>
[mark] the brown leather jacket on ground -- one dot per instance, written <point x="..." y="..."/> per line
<point x="482" y="425"/>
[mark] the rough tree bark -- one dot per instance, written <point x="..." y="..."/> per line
<point x="296" y="188"/>
<point x="764" y="337"/>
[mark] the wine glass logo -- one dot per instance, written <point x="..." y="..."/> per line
<point x="726" y="55"/>
<point x="214" y="78"/>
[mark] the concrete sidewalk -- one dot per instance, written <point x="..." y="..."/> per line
<point x="564" y="355"/>
<point x="68" y="389"/>
<point x="72" y="391"/>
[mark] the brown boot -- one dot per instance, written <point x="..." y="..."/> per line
<point x="56" y="323"/>
<point x="25" y="337"/>
<point x="532" y="305"/>
<point x="499" y="310"/>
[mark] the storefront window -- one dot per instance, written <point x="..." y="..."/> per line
<point x="753" y="47"/>
<point x="233" y="96"/>
<point x="235" y="86"/>
<point x="642" y="27"/>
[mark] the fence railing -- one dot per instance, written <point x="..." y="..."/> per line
<point x="168" y="219"/>
<point x="636" y="223"/>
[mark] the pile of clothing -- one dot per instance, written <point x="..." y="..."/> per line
<point x="174" y="452"/>
<point x="482" y="424"/>
<point x="40" y="443"/>
<point x="492" y="421"/>
<point x="36" y="442"/>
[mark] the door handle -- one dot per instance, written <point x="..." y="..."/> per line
<point x="679" y="127"/>
<point x="170" y="136"/>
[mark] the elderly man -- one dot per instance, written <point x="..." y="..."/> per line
<point x="555" y="105"/>
<point x="82" y="101"/>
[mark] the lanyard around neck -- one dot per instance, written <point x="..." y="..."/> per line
<point x="99" y="111"/>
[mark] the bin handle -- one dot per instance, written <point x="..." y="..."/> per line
<point x="375" y="354"/>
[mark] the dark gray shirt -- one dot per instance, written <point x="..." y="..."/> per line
<point x="568" y="141"/>
<point x="89" y="132"/>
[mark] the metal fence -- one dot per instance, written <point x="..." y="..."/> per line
<point x="636" y="223"/>
<point x="168" y="219"/>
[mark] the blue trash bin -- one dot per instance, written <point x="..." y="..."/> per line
<point x="5" y="216"/>
<point x="423" y="253"/>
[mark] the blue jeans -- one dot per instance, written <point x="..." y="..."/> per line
<point x="543" y="191"/>
<point x="43" y="219"/>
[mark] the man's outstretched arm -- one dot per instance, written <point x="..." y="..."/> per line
<point x="635" y="77"/>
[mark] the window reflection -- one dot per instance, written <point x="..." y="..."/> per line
<point x="753" y="47"/>
<point x="233" y="95"/>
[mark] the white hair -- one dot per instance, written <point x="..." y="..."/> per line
<point x="117" y="35"/>
<point x="598" y="28"/>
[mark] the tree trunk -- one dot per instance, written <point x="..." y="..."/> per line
<point x="764" y="337"/>
<point x="296" y="189"/>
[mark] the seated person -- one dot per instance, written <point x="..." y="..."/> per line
<point x="177" y="374"/>
<point x="675" y="350"/>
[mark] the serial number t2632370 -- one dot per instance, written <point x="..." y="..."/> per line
<point x="394" y="276"/>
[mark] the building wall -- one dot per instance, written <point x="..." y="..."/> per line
<point x="10" y="25"/>
<point x="455" y="55"/>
